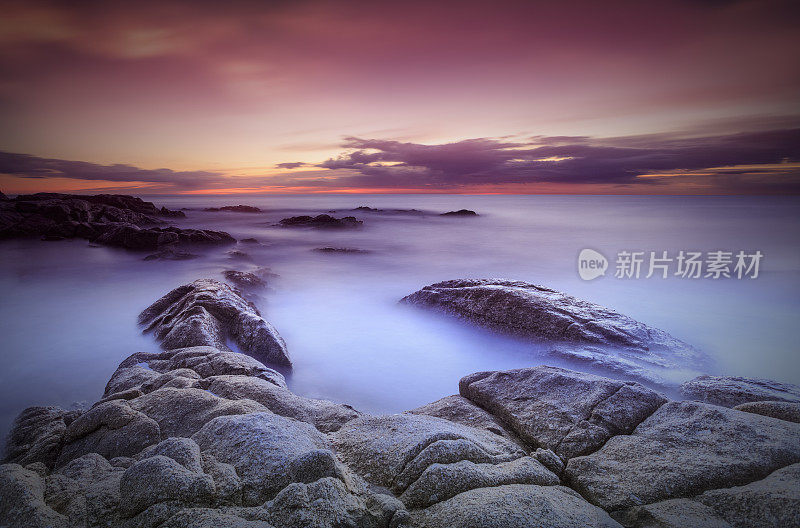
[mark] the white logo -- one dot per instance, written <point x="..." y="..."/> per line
<point x="591" y="264"/>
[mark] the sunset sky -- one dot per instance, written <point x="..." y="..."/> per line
<point x="390" y="96"/>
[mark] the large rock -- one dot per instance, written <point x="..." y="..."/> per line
<point x="730" y="391"/>
<point x="569" y="412"/>
<point x="514" y="506"/>
<point x="322" y="414"/>
<point x="22" y="500"/>
<point x="460" y="410"/>
<point x="416" y="454"/>
<point x="538" y="313"/>
<point x="322" y="221"/>
<point x="114" y="220"/>
<point x="789" y="411"/>
<point x="37" y="435"/>
<point x="683" y="449"/>
<point x="671" y="513"/>
<point x="773" y="501"/>
<point x="111" y="429"/>
<point x="209" y="312"/>
<point x="261" y="446"/>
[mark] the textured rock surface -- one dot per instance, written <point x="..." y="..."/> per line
<point x="683" y="449"/>
<point x="541" y="314"/>
<point x="730" y="391"/>
<point x="396" y="451"/>
<point x="569" y="412"/>
<point x="322" y="221"/>
<point x="208" y="312"/>
<point x="460" y="410"/>
<point x="514" y="506"/>
<point x="672" y="513"/>
<point x="244" y="279"/>
<point x="789" y="411"/>
<point x="114" y="220"/>
<point x="37" y="435"/>
<point x="261" y="446"/>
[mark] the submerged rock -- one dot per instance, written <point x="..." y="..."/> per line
<point x="113" y="220"/>
<point x="244" y="279"/>
<point x="340" y="250"/>
<point x="529" y="311"/>
<point x="235" y="209"/>
<point x="208" y="312"/>
<point x="321" y="221"/>
<point x="460" y="212"/>
<point x="730" y="391"/>
<point x="569" y="412"/>
<point x="171" y="254"/>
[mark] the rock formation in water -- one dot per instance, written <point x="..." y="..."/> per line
<point x="460" y="212"/>
<point x="322" y="221"/>
<point x="113" y="220"/>
<point x="603" y="336"/>
<point x="235" y="209"/>
<point x="200" y="436"/>
<point x="209" y="312"/>
<point x="244" y="279"/>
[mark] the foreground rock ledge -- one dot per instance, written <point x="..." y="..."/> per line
<point x="207" y="437"/>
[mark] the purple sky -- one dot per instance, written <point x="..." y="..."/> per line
<point x="314" y="96"/>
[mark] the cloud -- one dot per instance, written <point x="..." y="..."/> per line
<point x="562" y="159"/>
<point x="27" y="166"/>
<point x="292" y="165"/>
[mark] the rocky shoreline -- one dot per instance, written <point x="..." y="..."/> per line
<point x="202" y="436"/>
<point x="107" y="219"/>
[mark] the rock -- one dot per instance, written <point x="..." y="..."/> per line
<point x="170" y="253"/>
<point x="236" y="254"/>
<point x="789" y="411"/>
<point x="111" y="429"/>
<point x="534" y="312"/>
<point x="460" y="212"/>
<point x="200" y="236"/>
<point x="183" y="411"/>
<point x="184" y="451"/>
<point x="322" y="414"/>
<point x="514" y="506"/>
<point x="683" y="449"/>
<point x="159" y="479"/>
<point x="37" y="435"/>
<point x="340" y="250"/>
<point x="244" y="279"/>
<point x="672" y="513"/>
<point x="235" y="209"/>
<point x="330" y="503"/>
<point x="207" y="518"/>
<point x="730" y="391"/>
<point x="460" y="410"/>
<point x="250" y="241"/>
<point x="87" y="491"/>
<point x="208" y="312"/>
<point x="22" y="504"/>
<point x="130" y="236"/>
<point x="773" y="501"/>
<point x="443" y="481"/>
<point x="394" y="451"/>
<point x="569" y="412"/>
<point x="261" y="446"/>
<point x="549" y="460"/>
<point x="116" y="220"/>
<point x="321" y="221"/>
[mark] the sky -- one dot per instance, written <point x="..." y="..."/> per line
<point x="613" y="97"/>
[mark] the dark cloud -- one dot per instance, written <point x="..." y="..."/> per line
<point x="292" y="165"/>
<point x="27" y="166"/>
<point x="563" y="159"/>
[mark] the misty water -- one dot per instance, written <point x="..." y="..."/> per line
<point x="68" y="314"/>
